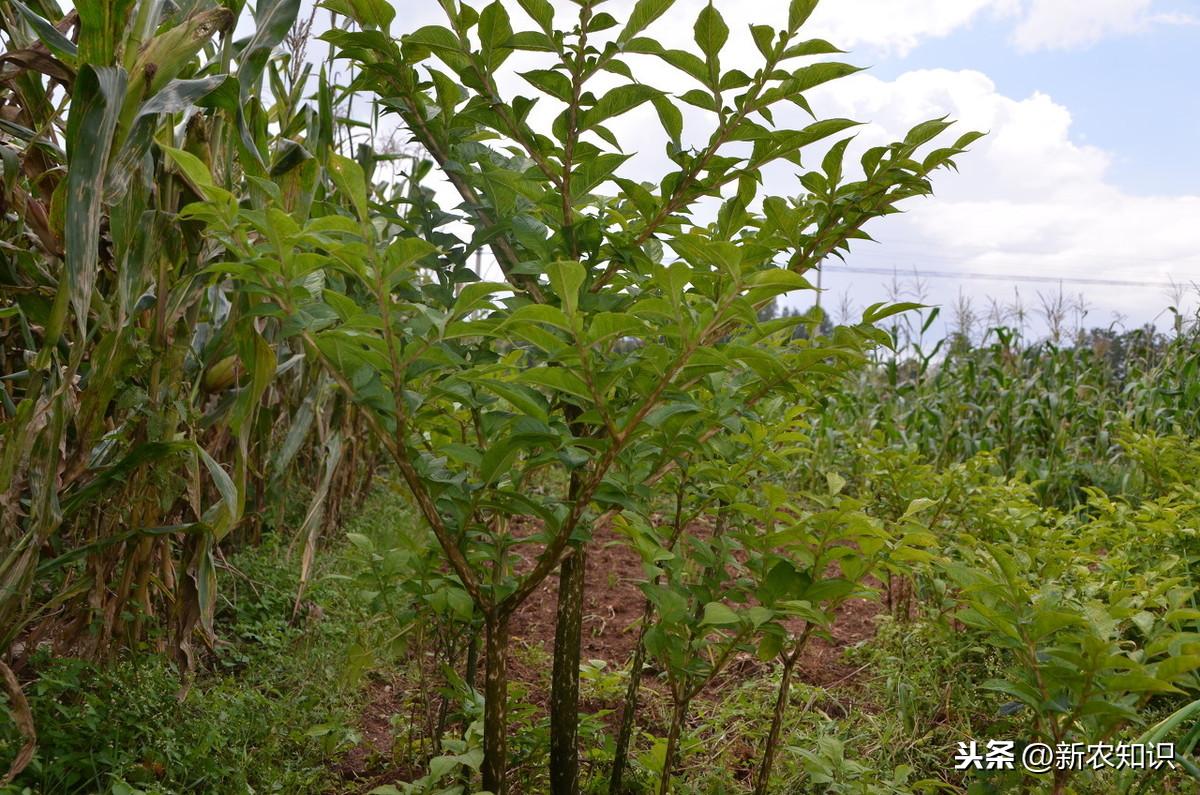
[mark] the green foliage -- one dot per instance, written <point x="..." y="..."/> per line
<point x="214" y="293"/>
<point x="143" y="399"/>
<point x="279" y="708"/>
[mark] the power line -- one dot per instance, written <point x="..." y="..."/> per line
<point x="1012" y="277"/>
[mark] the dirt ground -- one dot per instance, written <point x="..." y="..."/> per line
<point x="613" y="606"/>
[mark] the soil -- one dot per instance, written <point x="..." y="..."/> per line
<point x="613" y="606"/>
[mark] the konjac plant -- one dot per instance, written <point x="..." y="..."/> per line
<point x="623" y="302"/>
<point x="515" y="409"/>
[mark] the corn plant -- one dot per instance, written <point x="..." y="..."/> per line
<point x="1047" y="410"/>
<point x="145" y="414"/>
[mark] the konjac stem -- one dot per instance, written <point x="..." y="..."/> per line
<point x="629" y="711"/>
<point x="564" y="691"/>
<point x="781" y="703"/>
<point x="677" y="719"/>
<point x="495" y="709"/>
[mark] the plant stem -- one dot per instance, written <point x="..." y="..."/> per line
<point x="564" y="689"/>
<point x="629" y="711"/>
<point x="495" y="710"/>
<point x="678" y="715"/>
<point x="781" y="703"/>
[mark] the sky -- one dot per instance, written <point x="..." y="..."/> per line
<point x="1088" y="179"/>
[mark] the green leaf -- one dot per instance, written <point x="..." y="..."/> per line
<point x="1172" y="667"/>
<point x="686" y="62"/>
<point x="540" y="11"/>
<point x="617" y="101"/>
<point x="644" y="13"/>
<point x="194" y="171"/>
<point x="835" y="482"/>
<point x="56" y="42"/>
<point x="175" y="96"/>
<point x="272" y="21"/>
<point x="95" y="107"/>
<point x="917" y="506"/>
<point x="661" y="414"/>
<point x="808" y="77"/>
<point x="101" y="28"/>
<point x="552" y="82"/>
<point x="717" y="614"/>
<point x="521" y="397"/>
<point x="1139" y="683"/>
<point x="877" y="312"/>
<point x="495" y="30"/>
<point x="926" y="131"/>
<point x="348" y="175"/>
<point x="798" y="13"/>
<point x="541" y="313"/>
<point x="566" y="277"/>
<point x="670" y="116"/>
<point x="710" y="33"/>
<point x="435" y="38"/>
<point x="221" y="479"/>
<point x="558" y="379"/>
<point x="769" y="646"/>
<point x="764" y="38"/>
<point x="473" y="296"/>
<point x="367" y="13"/>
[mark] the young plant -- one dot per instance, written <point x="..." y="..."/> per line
<point x="1086" y="660"/>
<point x="506" y="406"/>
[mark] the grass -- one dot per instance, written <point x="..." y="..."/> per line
<point x="279" y="703"/>
<point x="275" y="705"/>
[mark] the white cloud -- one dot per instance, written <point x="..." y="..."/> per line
<point x="1064" y="24"/>
<point x="1028" y="200"/>
<point x="895" y="27"/>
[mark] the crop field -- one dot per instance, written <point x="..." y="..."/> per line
<point x="373" y="420"/>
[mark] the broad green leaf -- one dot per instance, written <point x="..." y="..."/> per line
<point x="717" y="614"/>
<point x="435" y="38"/>
<point x="62" y="47"/>
<point x="368" y="13"/>
<point x="473" y="296"/>
<point x="221" y="479"/>
<point x="348" y="175"/>
<point x="175" y="96"/>
<point x="95" y="106"/>
<point x="670" y="116"/>
<point x="877" y="312"/>
<point x="558" y="379"/>
<point x="926" y="131"/>
<point x="617" y="101"/>
<point x="495" y="30"/>
<point x="643" y="14"/>
<point x="521" y="397"/>
<point x="196" y="173"/>
<point x="566" y="277"/>
<point x="710" y="32"/>
<point x="551" y="81"/>
<point x="272" y="21"/>
<point x="101" y="27"/>
<point x="540" y="11"/>
<point x="798" y="13"/>
<point x="1172" y="667"/>
<point x="812" y="76"/>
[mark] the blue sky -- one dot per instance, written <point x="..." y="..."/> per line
<point x="1134" y="95"/>
<point x="1091" y="171"/>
